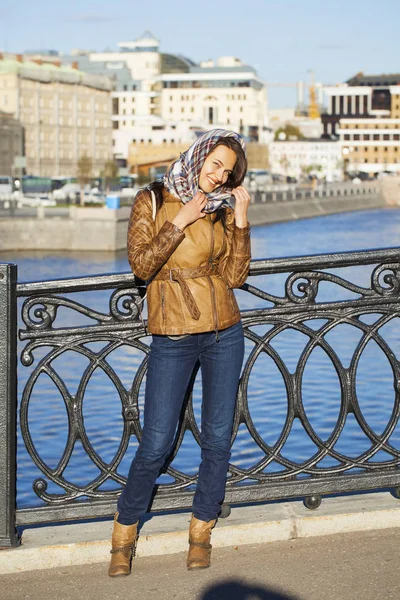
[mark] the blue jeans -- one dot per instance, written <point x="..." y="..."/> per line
<point x="171" y="364"/>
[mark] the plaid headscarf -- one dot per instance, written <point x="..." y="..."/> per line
<point x="182" y="178"/>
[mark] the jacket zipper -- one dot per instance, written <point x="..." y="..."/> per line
<point x="163" y="302"/>
<point x="213" y="301"/>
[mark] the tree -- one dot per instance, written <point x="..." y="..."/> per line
<point x="109" y="172"/>
<point x="84" y="174"/>
<point x="288" y="132"/>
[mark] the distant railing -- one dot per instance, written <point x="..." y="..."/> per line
<point x="300" y="304"/>
<point x="13" y="205"/>
<point x="294" y="193"/>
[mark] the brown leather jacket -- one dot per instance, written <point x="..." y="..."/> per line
<point x="190" y="274"/>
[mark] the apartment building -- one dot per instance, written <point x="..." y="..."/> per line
<point x="298" y="158"/>
<point x="364" y="113"/>
<point x="65" y="113"/>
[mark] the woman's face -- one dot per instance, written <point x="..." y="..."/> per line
<point x="217" y="167"/>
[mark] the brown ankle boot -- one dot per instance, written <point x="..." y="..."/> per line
<point x="123" y="546"/>
<point x="199" y="544"/>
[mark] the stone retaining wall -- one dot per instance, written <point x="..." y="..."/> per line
<point x="103" y="229"/>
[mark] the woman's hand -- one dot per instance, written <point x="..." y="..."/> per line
<point x="242" y="201"/>
<point x="191" y="211"/>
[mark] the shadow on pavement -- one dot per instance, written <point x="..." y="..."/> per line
<point x="239" y="590"/>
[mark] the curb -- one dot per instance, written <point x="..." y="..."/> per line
<point x="88" y="543"/>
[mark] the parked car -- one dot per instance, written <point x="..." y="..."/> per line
<point x="67" y="193"/>
<point x="94" y="196"/>
<point x="257" y="177"/>
<point x="35" y="201"/>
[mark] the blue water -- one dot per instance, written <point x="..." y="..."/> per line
<point x="267" y="401"/>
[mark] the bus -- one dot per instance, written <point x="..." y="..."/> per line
<point x="30" y="184"/>
<point x="59" y="182"/>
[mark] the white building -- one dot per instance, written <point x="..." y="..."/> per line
<point x="226" y="94"/>
<point x="298" y="158"/>
<point x="166" y="98"/>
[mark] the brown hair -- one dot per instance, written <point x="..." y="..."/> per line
<point x="239" y="170"/>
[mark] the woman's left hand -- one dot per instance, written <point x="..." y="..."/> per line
<point x="242" y="201"/>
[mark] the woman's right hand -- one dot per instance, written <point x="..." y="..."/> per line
<point x="191" y="211"/>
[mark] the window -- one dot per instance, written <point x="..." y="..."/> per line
<point x="366" y="136"/>
<point x="386" y="136"/>
<point x="376" y="136"/>
<point x="356" y="136"/>
<point x="346" y="136"/>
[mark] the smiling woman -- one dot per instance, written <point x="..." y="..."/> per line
<point x="217" y="168"/>
<point x="192" y="253"/>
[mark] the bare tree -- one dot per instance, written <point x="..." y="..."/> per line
<point x="109" y="172"/>
<point x="84" y="176"/>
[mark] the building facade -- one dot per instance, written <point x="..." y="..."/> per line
<point x="364" y="113"/>
<point x="299" y="158"/>
<point x="166" y="99"/>
<point x="66" y="114"/>
<point x="11" y="145"/>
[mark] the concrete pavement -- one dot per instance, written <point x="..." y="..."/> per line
<point x="352" y="566"/>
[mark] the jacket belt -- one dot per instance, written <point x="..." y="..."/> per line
<point x="179" y="275"/>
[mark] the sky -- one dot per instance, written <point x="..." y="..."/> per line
<point x="282" y="39"/>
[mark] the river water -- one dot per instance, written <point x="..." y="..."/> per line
<point x="266" y="391"/>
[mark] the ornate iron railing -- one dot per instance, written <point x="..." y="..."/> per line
<point x="366" y="301"/>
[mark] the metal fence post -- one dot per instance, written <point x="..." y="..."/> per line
<point x="8" y="404"/>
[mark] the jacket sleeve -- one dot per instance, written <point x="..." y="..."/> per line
<point x="235" y="264"/>
<point x="148" y="252"/>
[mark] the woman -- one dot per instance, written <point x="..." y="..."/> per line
<point x="192" y="251"/>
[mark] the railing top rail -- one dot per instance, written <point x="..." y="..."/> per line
<point x="77" y="284"/>
<point x="323" y="261"/>
<point x="257" y="267"/>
